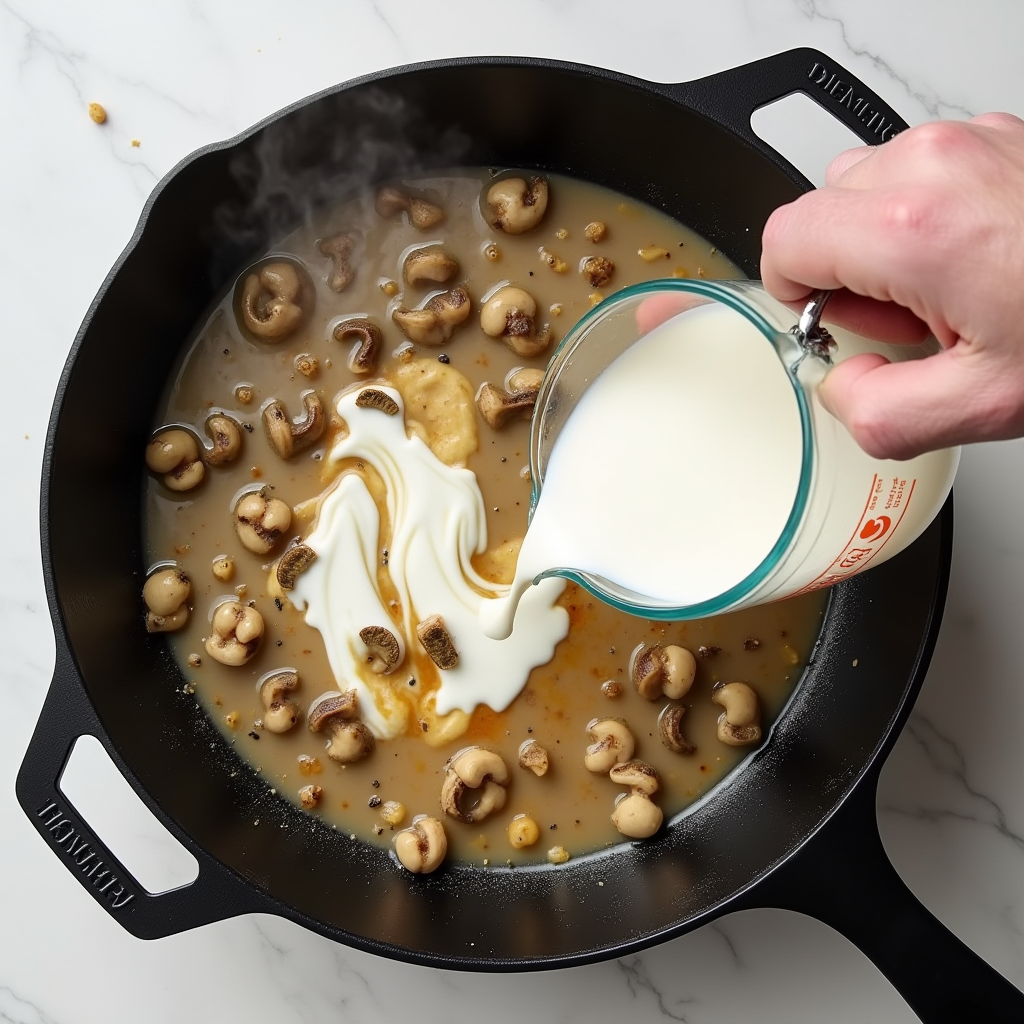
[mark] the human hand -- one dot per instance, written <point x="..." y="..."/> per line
<point x="924" y="232"/>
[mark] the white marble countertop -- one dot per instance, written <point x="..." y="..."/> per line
<point x="177" y="75"/>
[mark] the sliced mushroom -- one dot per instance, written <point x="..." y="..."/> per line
<point x="340" y="249"/>
<point x="517" y="204"/>
<point x="637" y="815"/>
<point x="383" y="649"/>
<point x="373" y="398"/>
<point x="478" y="770"/>
<point x="658" y="670"/>
<point x="166" y="594"/>
<point x="174" y="453"/>
<point x="437" y="320"/>
<point x="597" y="270"/>
<point x="613" y="744"/>
<point x="292" y="564"/>
<point x="670" y="729"/>
<point x="261" y="520"/>
<point x="509" y="314"/>
<point x="739" y="724"/>
<point x="498" y="406"/>
<point x="274" y="301"/>
<point x="365" y="354"/>
<point x="534" y="757"/>
<point x="279" y="713"/>
<point x="226" y="438"/>
<point x="433" y="265"/>
<point x="287" y="436"/>
<point x="235" y="635"/>
<point x="422" y="847"/>
<point x="422" y="214"/>
<point x="348" y="740"/>
<point x="437" y="642"/>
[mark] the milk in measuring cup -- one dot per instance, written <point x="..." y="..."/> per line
<point x="677" y="472"/>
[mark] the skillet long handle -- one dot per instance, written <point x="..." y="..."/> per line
<point x="732" y="96"/>
<point x="843" y="877"/>
<point x="216" y="894"/>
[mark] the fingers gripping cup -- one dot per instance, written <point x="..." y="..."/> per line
<point x="682" y="465"/>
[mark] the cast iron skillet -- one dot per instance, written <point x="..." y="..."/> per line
<point x="794" y="828"/>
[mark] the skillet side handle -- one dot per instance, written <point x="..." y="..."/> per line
<point x="732" y="96"/>
<point x="844" y="878"/>
<point x="216" y="893"/>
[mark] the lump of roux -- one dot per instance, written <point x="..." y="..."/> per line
<point x="436" y="525"/>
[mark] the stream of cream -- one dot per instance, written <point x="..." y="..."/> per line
<point x="438" y="523"/>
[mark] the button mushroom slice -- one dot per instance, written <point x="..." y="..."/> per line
<point x="739" y="724"/>
<point x="670" y="729"/>
<point x="637" y="815"/>
<point x="235" y="635"/>
<point x="279" y="713"/>
<point x="517" y="204"/>
<point x="292" y="564"/>
<point x="366" y="352"/>
<point x="373" y="398"/>
<point x="668" y="670"/>
<point x="166" y="595"/>
<point x="613" y="744"/>
<point x="437" y="642"/>
<point x="225" y="437"/>
<point x="434" y="265"/>
<point x="287" y="436"/>
<point x="497" y="406"/>
<point x="334" y="713"/>
<point x="480" y="770"/>
<point x="435" y="323"/>
<point x="273" y="300"/>
<point x="260" y="520"/>
<point x="174" y="454"/>
<point x="340" y="248"/>
<point x="422" y="213"/>
<point x="421" y="848"/>
<point x="509" y="314"/>
<point x="597" y="270"/>
<point x="534" y="757"/>
<point x="383" y="649"/>
<point x="638" y="775"/>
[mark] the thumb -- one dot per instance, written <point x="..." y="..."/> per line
<point x="899" y="410"/>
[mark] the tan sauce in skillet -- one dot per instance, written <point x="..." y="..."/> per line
<point x="764" y="647"/>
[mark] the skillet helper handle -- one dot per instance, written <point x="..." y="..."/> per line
<point x="67" y="714"/>
<point x="844" y="878"/>
<point x="732" y="96"/>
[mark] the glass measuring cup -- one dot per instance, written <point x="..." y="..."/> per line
<point x="849" y="510"/>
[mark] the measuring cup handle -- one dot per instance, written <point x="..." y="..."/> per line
<point x="843" y="877"/>
<point x="732" y="96"/>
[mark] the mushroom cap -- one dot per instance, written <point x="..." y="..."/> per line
<point x="363" y="357"/>
<point x="670" y="729"/>
<point x="476" y="764"/>
<point x="383" y="648"/>
<point x="637" y="816"/>
<point x="433" y="264"/>
<point x="226" y="438"/>
<point x="637" y="775"/>
<point x="517" y="205"/>
<point x="737" y="735"/>
<point x="288" y="436"/>
<point x="171" y="448"/>
<point x="349" y="742"/>
<point x="740" y="702"/>
<point x="656" y="670"/>
<point x="166" y="591"/>
<point x="480" y="770"/>
<point x="422" y="847"/>
<point x="295" y="561"/>
<point x="507" y="303"/>
<point x="275" y="300"/>
<point x="344" y="705"/>
<point x="274" y="685"/>
<point x="374" y="398"/>
<point x="613" y="744"/>
<point x="437" y="642"/>
<point x="497" y="407"/>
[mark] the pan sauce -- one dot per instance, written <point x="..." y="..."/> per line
<point x="765" y="647"/>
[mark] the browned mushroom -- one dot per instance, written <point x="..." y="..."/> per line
<point x="517" y="204"/>
<point x="670" y="729"/>
<point x="295" y="561"/>
<point x="437" y="642"/>
<point x="433" y="265"/>
<point x="365" y="353"/>
<point x="475" y="784"/>
<point x="422" y="213"/>
<point x="339" y="248"/>
<point x="498" y="405"/>
<point x="166" y="594"/>
<point x="383" y="649"/>
<point x="279" y="713"/>
<point x="435" y="322"/>
<point x="510" y="314"/>
<point x="275" y="301"/>
<point x="225" y="437"/>
<point x="174" y="454"/>
<point x="656" y="670"/>
<point x="287" y="436"/>
<point x="374" y="398"/>
<point x="335" y="713"/>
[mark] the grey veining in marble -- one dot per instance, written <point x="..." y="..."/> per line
<point x="177" y="74"/>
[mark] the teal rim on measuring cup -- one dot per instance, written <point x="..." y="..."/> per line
<point x="587" y="350"/>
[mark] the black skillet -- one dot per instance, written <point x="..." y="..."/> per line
<point x="794" y="828"/>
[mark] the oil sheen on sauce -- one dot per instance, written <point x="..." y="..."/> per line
<point x="675" y="474"/>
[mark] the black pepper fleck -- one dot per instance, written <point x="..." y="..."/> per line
<point x="277" y="602"/>
<point x="280" y="643"/>
<point x="374" y="801"/>
<point x="707" y="650"/>
<point x="375" y="783"/>
<point x="247" y="426"/>
<point x="503" y="459"/>
<point x="750" y="644"/>
<point x="443" y="358"/>
<point x="552" y="827"/>
<point x="227" y="351"/>
<point x="254" y="735"/>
